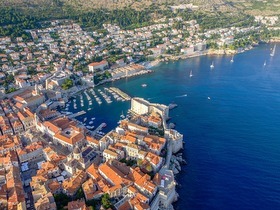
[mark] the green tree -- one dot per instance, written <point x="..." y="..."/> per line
<point x="80" y="194"/>
<point x="68" y="83"/>
<point x="105" y="201"/>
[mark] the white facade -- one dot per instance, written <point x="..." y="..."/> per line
<point x="140" y="106"/>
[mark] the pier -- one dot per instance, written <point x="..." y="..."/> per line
<point x="77" y="114"/>
<point x="120" y="93"/>
<point x="99" y="128"/>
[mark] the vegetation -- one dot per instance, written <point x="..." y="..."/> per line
<point x="80" y="194"/>
<point x="31" y="70"/>
<point x="68" y="83"/>
<point x="54" y="35"/>
<point x="13" y="21"/>
<point x="128" y="162"/>
<point x="156" y="131"/>
<point x="101" y="76"/>
<point x="92" y="204"/>
<point x="10" y="90"/>
<point x="105" y="201"/>
<point x="61" y="200"/>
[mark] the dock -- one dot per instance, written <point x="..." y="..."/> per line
<point x="77" y="114"/>
<point x="99" y="128"/>
<point x="121" y="93"/>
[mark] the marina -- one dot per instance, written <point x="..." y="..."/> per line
<point x="120" y="93"/>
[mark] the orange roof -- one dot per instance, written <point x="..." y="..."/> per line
<point x="95" y="64"/>
<point x="132" y="189"/>
<point x="92" y="140"/>
<point x="54" y="186"/>
<point x="125" y="206"/>
<point x="138" y="127"/>
<point x="129" y="138"/>
<point x="51" y="126"/>
<point x="74" y="183"/>
<point x="114" y="176"/>
<point x="145" y="183"/>
<point x="93" y="172"/>
<point x="72" y="140"/>
<point x="79" y="204"/>
<point x="110" y="152"/>
<point x="153" y="158"/>
<point x="89" y="189"/>
<point x="157" y="179"/>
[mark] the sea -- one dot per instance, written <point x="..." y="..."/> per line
<point x="230" y="118"/>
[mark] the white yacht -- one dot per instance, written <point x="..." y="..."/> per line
<point x="273" y="51"/>
<point x="191" y="73"/>
<point x="232" y="60"/>
<point x="212" y="65"/>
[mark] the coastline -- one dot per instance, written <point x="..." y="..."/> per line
<point x="178" y="179"/>
<point x="150" y="64"/>
<point x="158" y="61"/>
<point x="274" y="40"/>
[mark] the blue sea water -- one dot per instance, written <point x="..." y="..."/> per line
<point x="232" y="138"/>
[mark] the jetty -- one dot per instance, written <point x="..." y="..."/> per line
<point x="77" y="114"/>
<point x="99" y="128"/>
<point x="120" y="93"/>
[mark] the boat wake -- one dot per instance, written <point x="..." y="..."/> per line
<point x="181" y="96"/>
<point x="151" y="98"/>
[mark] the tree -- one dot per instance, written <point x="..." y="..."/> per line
<point x="68" y="83"/>
<point x="61" y="200"/>
<point x="105" y="201"/>
<point x="80" y="194"/>
<point x="10" y="78"/>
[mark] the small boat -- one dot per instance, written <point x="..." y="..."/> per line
<point x="191" y="73"/>
<point x="91" y="122"/>
<point x="232" y="60"/>
<point x="85" y="119"/>
<point x="90" y="127"/>
<point x="208" y="98"/>
<point x="212" y="65"/>
<point x="273" y="51"/>
<point x="264" y="64"/>
<point x="122" y="116"/>
<point x="144" y="85"/>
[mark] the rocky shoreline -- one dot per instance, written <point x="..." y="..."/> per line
<point x="175" y="163"/>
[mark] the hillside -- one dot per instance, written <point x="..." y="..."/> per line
<point x="253" y="7"/>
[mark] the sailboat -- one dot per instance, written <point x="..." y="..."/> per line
<point x="212" y="65"/>
<point x="191" y="73"/>
<point x="273" y="51"/>
<point x="264" y="64"/>
<point x="232" y="59"/>
<point x="122" y="115"/>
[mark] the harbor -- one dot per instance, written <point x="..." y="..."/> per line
<point x="215" y="121"/>
<point x="85" y="106"/>
<point x="120" y="93"/>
